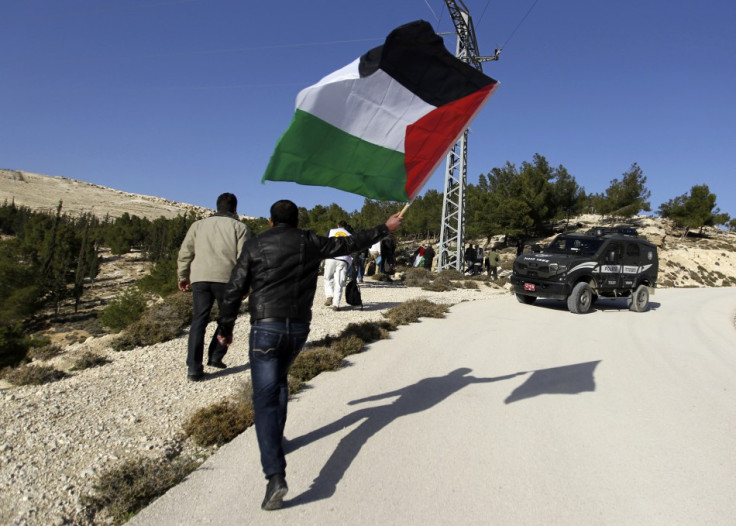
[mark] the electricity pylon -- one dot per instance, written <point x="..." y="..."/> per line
<point x="452" y="232"/>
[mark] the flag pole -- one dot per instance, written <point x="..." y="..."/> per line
<point x="406" y="206"/>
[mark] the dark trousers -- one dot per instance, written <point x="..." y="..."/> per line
<point x="273" y="347"/>
<point x="204" y="295"/>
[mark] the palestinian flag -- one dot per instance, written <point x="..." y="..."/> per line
<point x="380" y="126"/>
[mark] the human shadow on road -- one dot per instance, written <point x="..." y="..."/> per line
<point x="568" y="379"/>
<point x="412" y="399"/>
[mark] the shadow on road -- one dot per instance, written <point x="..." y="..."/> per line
<point x="568" y="379"/>
<point x="412" y="399"/>
<point x="602" y="304"/>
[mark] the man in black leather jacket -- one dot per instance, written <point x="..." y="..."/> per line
<point x="278" y="271"/>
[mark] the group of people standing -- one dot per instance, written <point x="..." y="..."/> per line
<point x="477" y="263"/>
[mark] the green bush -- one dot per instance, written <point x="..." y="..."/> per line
<point x="162" y="280"/>
<point x="89" y="360"/>
<point x="128" y="488"/>
<point x="13" y="344"/>
<point x="33" y="374"/>
<point x="125" y="310"/>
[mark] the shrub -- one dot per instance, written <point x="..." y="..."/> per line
<point x="125" y="310"/>
<point x="451" y="274"/>
<point x="45" y="352"/>
<point x="162" y="279"/>
<point x="128" y="488"/>
<point x="440" y="284"/>
<point x="410" y="311"/>
<point x="162" y="322"/>
<point x="417" y="277"/>
<point x="348" y="345"/>
<point x="13" y="344"/>
<point x="89" y="360"/>
<point x="313" y="361"/>
<point x="469" y="284"/>
<point x="368" y="331"/>
<point x="33" y="375"/>
<point x="221" y="422"/>
<point x="295" y="385"/>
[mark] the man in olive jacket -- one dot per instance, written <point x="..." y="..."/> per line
<point x="278" y="271"/>
<point x="206" y="259"/>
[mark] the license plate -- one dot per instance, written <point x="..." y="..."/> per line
<point x="530" y="287"/>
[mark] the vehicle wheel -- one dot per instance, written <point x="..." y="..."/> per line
<point x="580" y="300"/>
<point x="594" y="298"/>
<point x="639" y="300"/>
<point x="527" y="300"/>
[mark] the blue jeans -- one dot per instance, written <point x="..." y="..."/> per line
<point x="204" y="295"/>
<point x="360" y="268"/>
<point x="273" y="348"/>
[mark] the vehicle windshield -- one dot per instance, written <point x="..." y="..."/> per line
<point x="574" y="245"/>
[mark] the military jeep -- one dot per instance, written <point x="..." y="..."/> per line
<point x="580" y="268"/>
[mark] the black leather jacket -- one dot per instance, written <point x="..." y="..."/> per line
<point x="278" y="271"/>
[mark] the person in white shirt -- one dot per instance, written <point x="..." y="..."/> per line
<point x="336" y="270"/>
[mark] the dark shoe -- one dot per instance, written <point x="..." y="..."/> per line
<point x="195" y="377"/>
<point x="275" y="492"/>
<point x="217" y="363"/>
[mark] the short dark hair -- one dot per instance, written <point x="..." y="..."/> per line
<point x="285" y="211"/>
<point x="227" y="202"/>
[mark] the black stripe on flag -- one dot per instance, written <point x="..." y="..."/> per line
<point x="416" y="57"/>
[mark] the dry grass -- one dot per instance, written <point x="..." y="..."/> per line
<point x="32" y="374"/>
<point x="89" y="360"/>
<point x="45" y="352"/>
<point x="130" y="487"/>
<point x="162" y="322"/>
<point x="219" y="423"/>
<point x="410" y="311"/>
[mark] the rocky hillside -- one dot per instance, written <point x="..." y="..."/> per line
<point x="43" y="193"/>
<point x="702" y="260"/>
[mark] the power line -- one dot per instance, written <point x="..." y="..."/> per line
<point x="484" y="11"/>
<point x="519" y="24"/>
<point x="433" y="13"/>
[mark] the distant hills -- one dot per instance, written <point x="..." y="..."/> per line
<point x="43" y="193"/>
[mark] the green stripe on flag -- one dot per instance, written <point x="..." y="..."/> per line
<point x="313" y="152"/>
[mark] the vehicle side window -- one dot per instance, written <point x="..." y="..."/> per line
<point x="613" y="253"/>
<point x="632" y="249"/>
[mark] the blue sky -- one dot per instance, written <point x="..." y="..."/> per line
<point x="186" y="99"/>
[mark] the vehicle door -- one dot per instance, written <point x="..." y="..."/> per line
<point x="612" y="266"/>
<point x="631" y="259"/>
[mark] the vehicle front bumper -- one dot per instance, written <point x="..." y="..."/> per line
<point x="542" y="288"/>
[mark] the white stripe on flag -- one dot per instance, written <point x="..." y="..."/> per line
<point x="377" y="109"/>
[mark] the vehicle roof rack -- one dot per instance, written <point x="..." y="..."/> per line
<point x="608" y="230"/>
